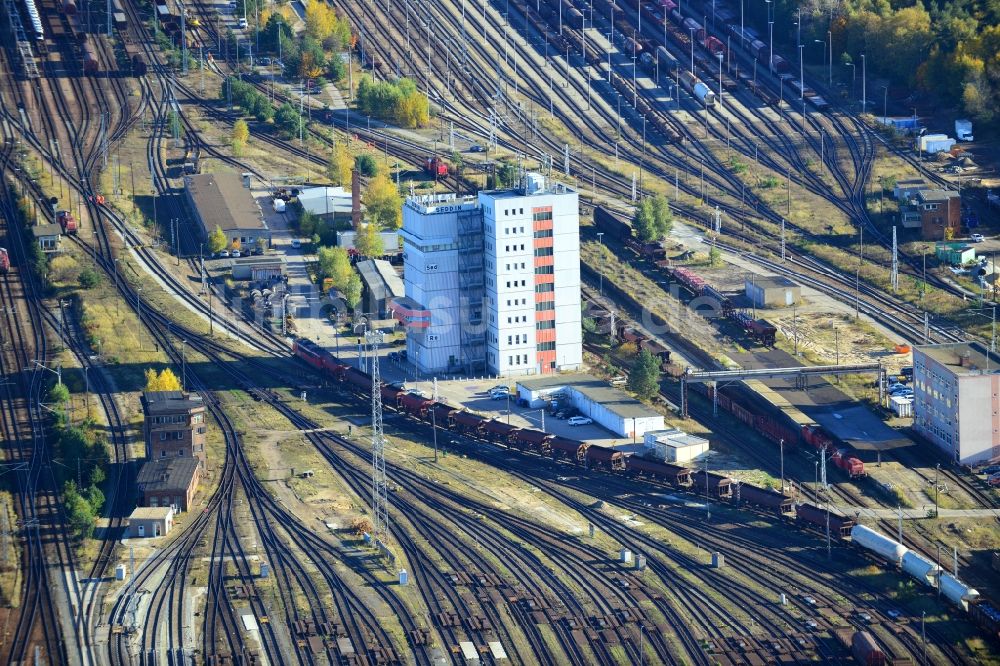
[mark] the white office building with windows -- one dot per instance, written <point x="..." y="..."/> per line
<point x="493" y="283"/>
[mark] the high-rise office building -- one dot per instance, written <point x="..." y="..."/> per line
<point x="493" y="283"/>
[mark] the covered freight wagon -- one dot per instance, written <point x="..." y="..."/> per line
<point x="865" y="650"/>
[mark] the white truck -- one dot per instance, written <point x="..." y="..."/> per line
<point x="963" y="130"/>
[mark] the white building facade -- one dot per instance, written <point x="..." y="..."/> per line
<point x="493" y="283"/>
<point x="532" y="278"/>
<point x="955" y="401"/>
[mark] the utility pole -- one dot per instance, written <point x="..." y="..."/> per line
<point x="380" y="495"/>
<point x="895" y="261"/>
<point x="781" y="445"/>
<point x="782" y="239"/>
<point x="434" y="421"/>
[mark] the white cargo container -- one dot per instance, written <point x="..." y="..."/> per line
<point x="935" y="143"/>
<point x="902" y="406"/>
<point x="674" y="446"/>
<point x="963" y="130"/>
<point x="879" y="544"/>
<point x="923" y="570"/>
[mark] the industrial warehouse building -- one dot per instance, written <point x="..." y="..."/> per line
<point x="493" y="282"/>
<point x="618" y="412"/>
<point x="224" y="200"/>
<point x="150" y="521"/>
<point x="772" y="292"/>
<point x="674" y="446"/>
<point x="258" y="269"/>
<point x="955" y="403"/>
<point x="327" y="203"/>
<point x="381" y="285"/>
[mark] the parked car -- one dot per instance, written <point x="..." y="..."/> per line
<point x="499" y="395"/>
<point x="864" y="617"/>
<point x="977" y="238"/>
<point x="475" y="148"/>
<point x="994" y="480"/>
<point x="580" y="420"/>
<point x="811" y="625"/>
<point x="809" y="600"/>
<point x="224" y="253"/>
<point x="893" y="613"/>
<point x="235" y="253"/>
<point x="562" y="414"/>
<point x="501" y="387"/>
<point x="992" y="469"/>
<point x="393" y="356"/>
<point x="296" y="243"/>
<point x="242" y="23"/>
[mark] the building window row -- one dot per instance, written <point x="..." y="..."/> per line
<point x="545" y="325"/>
<point x="513" y="230"/>
<point x="515" y="266"/>
<point x="544" y="287"/>
<point x="513" y="211"/>
<point x="543" y="251"/>
<point x="545" y="270"/>
<point x="523" y="283"/>
<point x="545" y="305"/>
<point x="516" y="359"/>
<point x="513" y="248"/>
<point x="544" y="233"/>
<point x="546" y="346"/>
<point x="165" y="420"/>
<point x="517" y="320"/>
<point x="542" y="216"/>
<point x="518" y="301"/>
<point x="517" y="339"/>
<point x="178" y="434"/>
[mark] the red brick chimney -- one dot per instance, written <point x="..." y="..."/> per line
<point x="355" y="199"/>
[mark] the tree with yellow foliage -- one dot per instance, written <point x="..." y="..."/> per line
<point x="241" y="134"/>
<point x="341" y="163"/>
<point x="383" y="203"/>
<point x="165" y="381"/>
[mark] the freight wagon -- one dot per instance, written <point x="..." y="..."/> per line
<point x="813" y="516"/>
<point x="698" y="89"/>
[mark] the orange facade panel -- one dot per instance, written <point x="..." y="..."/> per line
<point x="545" y="315"/>
<point x="543" y="242"/>
<point x="545" y="279"/>
<point x="548" y="335"/>
<point x="544" y="261"/>
<point x="545" y="360"/>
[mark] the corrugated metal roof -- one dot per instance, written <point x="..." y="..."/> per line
<point x="594" y="389"/>
<point x="222" y="200"/>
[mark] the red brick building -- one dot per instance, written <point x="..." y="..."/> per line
<point x="168" y="482"/>
<point x="939" y="210"/>
<point x="174" y="425"/>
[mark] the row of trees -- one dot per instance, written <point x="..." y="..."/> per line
<point x="946" y="48"/>
<point x="318" y="52"/>
<point x="396" y="101"/>
<point x="82" y="460"/>
<point x="287" y="119"/>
